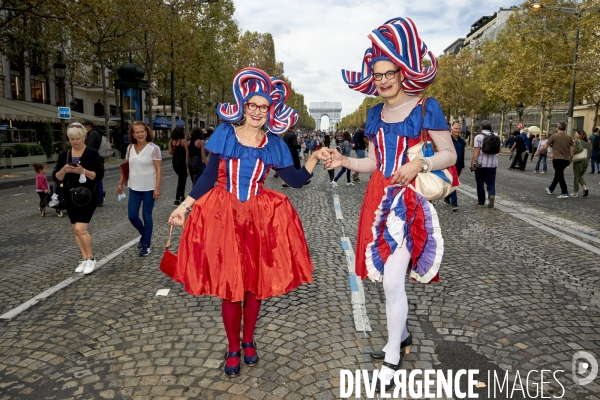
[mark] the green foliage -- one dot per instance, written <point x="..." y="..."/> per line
<point x="37" y="150"/>
<point x="10" y="152"/>
<point x="22" y="150"/>
<point x="46" y="139"/>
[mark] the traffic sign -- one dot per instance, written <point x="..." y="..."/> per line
<point x="520" y="125"/>
<point x="64" y="112"/>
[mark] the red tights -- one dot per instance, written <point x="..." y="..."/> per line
<point x="232" y="319"/>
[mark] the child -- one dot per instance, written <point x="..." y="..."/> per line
<point x="41" y="183"/>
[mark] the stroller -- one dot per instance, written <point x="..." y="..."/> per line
<point x="54" y="199"/>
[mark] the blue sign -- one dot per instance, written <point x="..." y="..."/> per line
<point x="64" y="112"/>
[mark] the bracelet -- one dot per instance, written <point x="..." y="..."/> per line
<point x="187" y="208"/>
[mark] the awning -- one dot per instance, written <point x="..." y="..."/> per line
<point x="161" y="122"/>
<point x="17" y="110"/>
<point x="118" y="119"/>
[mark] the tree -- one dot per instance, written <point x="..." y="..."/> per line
<point x="101" y="28"/>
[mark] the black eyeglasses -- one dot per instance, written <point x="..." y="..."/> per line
<point x="254" y="106"/>
<point x="388" y="75"/>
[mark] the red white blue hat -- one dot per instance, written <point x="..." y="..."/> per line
<point x="250" y="82"/>
<point x="396" y="41"/>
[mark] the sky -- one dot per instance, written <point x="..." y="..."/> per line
<point x="316" y="39"/>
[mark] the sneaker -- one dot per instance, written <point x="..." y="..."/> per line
<point x="90" y="266"/>
<point x="535" y="172"/>
<point x="585" y="192"/>
<point x="542" y="173"/>
<point x="548" y="190"/>
<point x="349" y="184"/>
<point x="491" y="201"/>
<point x="334" y="184"/>
<point x="356" y="180"/>
<point x="176" y="203"/>
<point x="275" y="175"/>
<point x="455" y="208"/>
<point x="307" y="182"/>
<point x="447" y="200"/>
<point x="285" y="185"/>
<point x="576" y="194"/>
<point x="81" y="266"/>
<point x="563" y="196"/>
<point x="145" y="250"/>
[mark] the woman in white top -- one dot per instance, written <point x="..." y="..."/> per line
<point x="145" y="175"/>
<point x="542" y="157"/>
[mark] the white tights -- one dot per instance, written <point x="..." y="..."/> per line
<point x="396" y="307"/>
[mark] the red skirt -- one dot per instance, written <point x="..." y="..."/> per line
<point x="373" y="196"/>
<point x="229" y="247"/>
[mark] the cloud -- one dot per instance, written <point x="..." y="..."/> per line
<point x="316" y="39"/>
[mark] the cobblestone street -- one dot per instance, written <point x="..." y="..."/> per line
<point x="519" y="291"/>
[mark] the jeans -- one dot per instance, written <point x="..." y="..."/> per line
<point x="452" y="196"/>
<point x="541" y="158"/>
<point x="339" y="175"/>
<point x="133" y="211"/>
<point x="521" y="159"/>
<point x="559" y="175"/>
<point x="100" y="189"/>
<point x="487" y="176"/>
<point x="594" y="163"/>
<point x="360" y="153"/>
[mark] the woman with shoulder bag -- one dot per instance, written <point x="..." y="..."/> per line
<point x="178" y="148"/>
<point x="145" y="176"/>
<point x="580" y="166"/>
<point x="542" y="157"/>
<point x="197" y="155"/>
<point x="78" y="170"/>
<point x="397" y="224"/>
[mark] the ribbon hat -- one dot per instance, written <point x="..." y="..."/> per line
<point x="396" y="41"/>
<point x="250" y="82"/>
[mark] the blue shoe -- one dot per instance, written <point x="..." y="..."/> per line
<point x="235" y="370"/>
<point x="250" y="360"/>
<point x="563" y="196"/>
<point x="145" y="250"/>
<point x="548" y="190"/>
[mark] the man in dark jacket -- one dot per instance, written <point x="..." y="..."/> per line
<point x="459" y="146"/>
<point x="94" y="141"/>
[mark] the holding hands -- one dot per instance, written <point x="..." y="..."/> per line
<point x="331" y="158"/>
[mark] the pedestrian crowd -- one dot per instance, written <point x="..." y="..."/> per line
<point x="405" y="146"/>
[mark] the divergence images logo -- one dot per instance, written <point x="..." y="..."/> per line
<point x="580" y="368"/>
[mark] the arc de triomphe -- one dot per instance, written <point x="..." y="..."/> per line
<point x="332" y="109"/>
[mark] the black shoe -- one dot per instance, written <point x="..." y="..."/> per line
<point x="585" y="192"/>
<point x="446" y="200"/>
<point x="404" y="346"/>
<point x="285" y="185"/>
<point x="307" y="182"/>
<point x="100" y="204"/>
<point x="384" y="388"/>
<point x="276" y="176"/>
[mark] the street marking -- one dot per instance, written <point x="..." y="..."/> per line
<point x="337" y="207"/>
<point x="28" y="304"/>
<point x="538" y="223"/>
<point x="587" y="236"/>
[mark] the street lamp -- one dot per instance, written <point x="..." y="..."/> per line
<point x="59" y="77"/>
<point x="510" y="120"/>
<point x="577" y="14"/>
<point x="520" y="108"/>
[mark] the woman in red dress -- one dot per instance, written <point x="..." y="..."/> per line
<point x="242" y="242"/>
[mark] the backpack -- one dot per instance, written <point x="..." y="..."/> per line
<point x="105" y="150"/>
<point x="596" y="143"/>
<point x="491" y="144"/>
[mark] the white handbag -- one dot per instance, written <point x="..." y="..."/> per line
<point x="431" y="185"/>
<point x="581" y="156"/>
